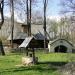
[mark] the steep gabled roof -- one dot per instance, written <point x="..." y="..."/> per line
<point x="18" y="35"/>
<point x="39" y="36"/>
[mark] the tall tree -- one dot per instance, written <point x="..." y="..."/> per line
<point x="68" y="6"/>
<point x="1" y="12"/>
<point x="1" y="23"/>
<point x="30" y="17"/>
<point x="29" y="4"/>
<point x="27" y="15"/>
<point x="12" y="21"/>
<point x="45" y="5"/>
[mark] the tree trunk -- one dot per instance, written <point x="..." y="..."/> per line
<point x="28" y="4"/>
<point x="1" y="23"/>
<point x="28" y="7"/>
<point x="1" y="12"/>
<point x="45" y="24"/>
<point x="27" y="15"/>
<point x="30" y="18"/>
<point x="12" y="22"/>
<point x="1" y="48"/>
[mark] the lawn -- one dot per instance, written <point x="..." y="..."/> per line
<point x="48" y="64"/>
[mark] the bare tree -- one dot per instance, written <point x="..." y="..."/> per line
<point x="29" y="14"/>
<point x="1" y="12"/>
<point x="38" y="19"/>
<point x="12" y="20"/>
<point x="68" y="6"/>
<point x="45" y="5"/>
<point x="28" y="6"/>
<point x="1" y="23"/>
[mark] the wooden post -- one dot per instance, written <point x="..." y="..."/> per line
<point x="33" y="51"/>
<point x="26" y="51"/>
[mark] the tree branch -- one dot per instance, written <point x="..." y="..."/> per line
<point x="1" y="12"/>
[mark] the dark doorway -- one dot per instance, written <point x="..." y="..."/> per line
<point x="61" y="49"/>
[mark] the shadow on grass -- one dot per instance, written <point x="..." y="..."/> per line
<point x="53" y="63"/>
<point x="41" y="67"/>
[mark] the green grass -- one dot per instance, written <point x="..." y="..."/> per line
<point x="48" y="64"/>
<point x="56" y="57"/>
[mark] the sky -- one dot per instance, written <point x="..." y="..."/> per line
<point x="53" y="9"/>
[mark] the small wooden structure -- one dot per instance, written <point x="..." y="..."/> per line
<point x="60" y="45"/>
<point x="36" y="41"/>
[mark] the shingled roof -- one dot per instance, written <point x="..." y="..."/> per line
<point x="39" y="36"/>
<point x="18" y="35"/>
